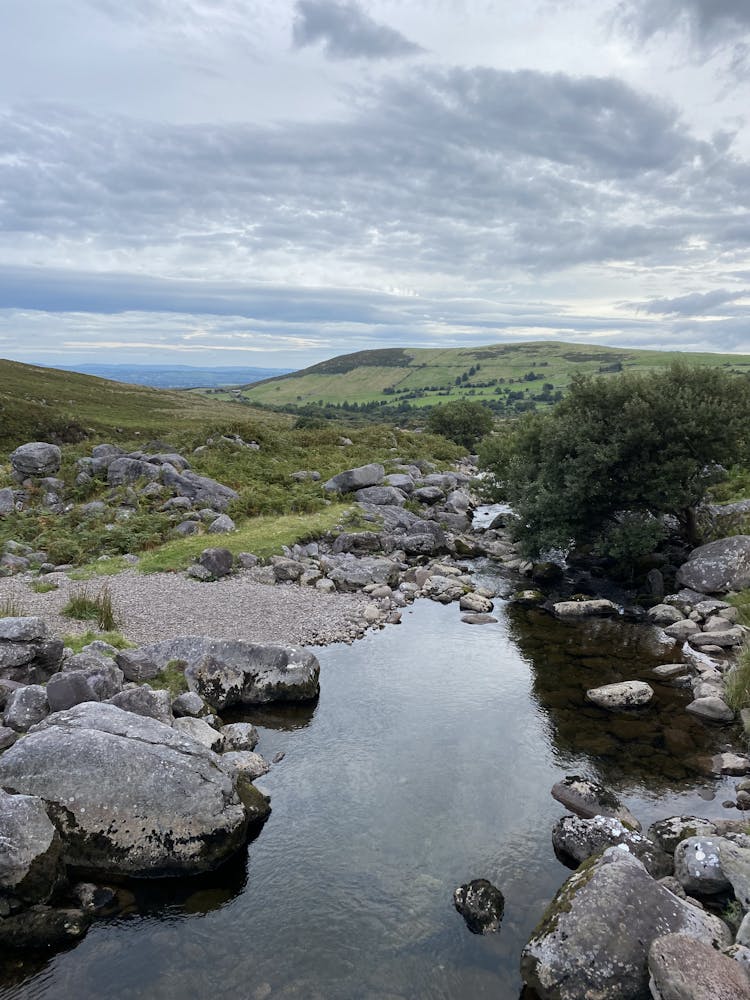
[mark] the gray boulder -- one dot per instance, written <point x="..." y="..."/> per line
<point x="23" y="630"/>
<point x="718" y="567"/>
<point x="698" y="866"/>
<point x="217" y="561"/>
<point x="481" y="904"/>
<point x="65" y="690"/>
<point x="664" y="614"/>
<point x="711" y="709"/>
<point x="668" y="833"/>
<point x="245" y="763"/>
<point x="575" y="839"/>
<point x="136" y="665"/>
<point x="201" y="490"/>
<point x="428" y="494"/>
<point x="30" y="850"/>
<point x="25" y="707"/>
<point x="357" y="542"/>
<point x="239" y="736"/>
<point x="401" y="480"/>
<point x="7" y="501"/>
<point x="197" y="729"/>
<point x="682" y="968"/>
<point x="624" y="695"/>
<point x="234" y="672"/>
<point x="476" y="603"/>
<point x="587" y="798"/>
<point x="104" y="676"/>
<point x="36" y="460"/>
<point x="178" y="811"/>
<point x="350" y="573"/>
<point x="125" y="470"/>
<point x="189" y="704"/>
<point x="598" y="608"/>
<point x="356" y="479"/>
<point x="223" y="525"/>
<point x="146" y="702"/>
<point x="594" y="937"/>
<point x="385" y="495"/>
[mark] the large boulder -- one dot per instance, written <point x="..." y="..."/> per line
<point x="594" y="937"/>
<point x="718" y="567"/>
<point x="350" y="573"/>
<point x="356" y="479"/>
<point x="682" y="968"/>
<point x="25" y="707"/>
<point x="381" y="495"/>
<point x="201" y="490"/>
<point x="128" y="794"/>
<point x="30" y="850"/>
<point x="36" y="459"/>
<point x="228" y="672"/>
<point x="125" y="470"/>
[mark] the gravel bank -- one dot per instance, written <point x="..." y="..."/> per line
<point x="169" y="605"/>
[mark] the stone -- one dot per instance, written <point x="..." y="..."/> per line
<point x="223" y="525"/>
<point x="350" y="573"/>
<point x="146" y="702"/>
<point x="186" y="528"/>
<point x="30" y="850"/>
<point x="575" y="839"/>
<point x="197" y="729"/>
<point x="697" y="866"/>
<point x="358" y="542"/>
<point x="730" y="763"/>
<point x="594" y="938"/>
<point x="239" y="736"/>
<point x="668" y="671"/>
<point x="726" y="640"/>
<point x="245" y="763"/>
<point x="36" y="459"/>
<point x="586" y="609"/>
<point x="381" y="495"/>
<point x="246" y="560"/>
<point x="104" y="676"/>
<point x="718" y="567"/>
<point x="401" y="480"/>
<point x="23" y="629"/>
<point x="356" y="479"/>
<point x="664" y="614"/>
<point x="481" y="904"/>
<point x="586" y="798"/>
<point x="125" y="470"/>
<point x="7" y="737"/>
<point x="177" y="813"/>
<point x="42" y="927"/>
<point x="285" y="569"/>
<point x="25" y="707"/>
<point x="428" y="494"/>
<point x="472" y="619"/>
<point x="476" y="603"/>
<point x="67" y="689"/>
<point x="682" y="629"/>
<point x="189" y="704"/>
<point x="136" y="665"/>
<point x="682" y="968"/>
<point x="198" y="572"/>
<point x="7" y="501"/>
<point x="217" y="561"/>
<point x="711" y="709"/>
<point x="624" y="695"/>
<point x="235" y="672"/>
<point x="200" y="490"/>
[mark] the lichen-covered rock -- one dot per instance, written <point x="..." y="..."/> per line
<point x="128" y="794"/>
<point x="682" y="968"/>
<point x="718" y="567"/>
<point x="234" y="672"/>
<point x="594" y="937"/>
<point x="146" y="702"/>
<point x="246" y="763"/>
<point x="239" y="736"/>
<point x="667" y="833"/>
<point x="35" y="460"/>
<point x="136" y="665"/>
<point x="197" y="729"/>
<point x="30" y="850"/>
<point x="598" y="608"/>
<point x="697" y="865"/>
<point x="481" y="904"/>
<point x="575" y="839"/>
<point x="356" y="479"/>
<point x="587" y="798"/>
<point x="25" y="707"/>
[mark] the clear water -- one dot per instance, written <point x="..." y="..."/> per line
<point x="427" y="761"/>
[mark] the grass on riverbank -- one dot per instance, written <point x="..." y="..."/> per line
<point x="263" y="536"/>
<point x="737" y="687"/>
<point x="76" y="642"/>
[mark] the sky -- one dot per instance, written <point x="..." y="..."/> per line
<point x="273" y="183"/>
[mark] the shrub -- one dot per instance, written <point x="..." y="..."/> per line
<point x="462" y="421"/>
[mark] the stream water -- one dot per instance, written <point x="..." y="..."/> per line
<point x="427" y="761"/>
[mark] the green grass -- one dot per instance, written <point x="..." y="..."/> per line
<point x="737" y="683"/>
<point x="171" y="679"/>
<point x="76" y="642"/>
<point x="110" y="566"/>
<point x="11" y="607"/>
<point x="43" y="586"/>
<point x="741" y="601"/>
<point x="263" y="536"/>
<point x="83" y="606"/>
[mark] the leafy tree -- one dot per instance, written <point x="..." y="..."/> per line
<point x="635" y="445"/>
<point x="462" y="421"/>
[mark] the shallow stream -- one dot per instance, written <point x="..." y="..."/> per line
<point x="427" y="761"/>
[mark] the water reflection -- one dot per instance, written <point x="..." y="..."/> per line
<point x="661" y="745"/>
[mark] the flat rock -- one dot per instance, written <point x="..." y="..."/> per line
<point x="586" y="609"/>
<point x="711" y="709"/>
<point x="356" y="479"/>
<point x="177" y="812"/>
<point x="682" y="968"/>
<point x="624" y="695"/>
<point x="43" y="927"/>
<point x="478" y="619"/>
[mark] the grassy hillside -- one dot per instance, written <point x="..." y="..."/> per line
<point x="48" y="404"/>
<point x="511" y="377"/>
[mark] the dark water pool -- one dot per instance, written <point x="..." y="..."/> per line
<point x="427" y="761"/>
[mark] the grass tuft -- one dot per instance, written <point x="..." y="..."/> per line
<point x="172" y="679"/>
<point x="11" y="607"/>
<point x="98" y="608"/>
<point x="737" y="688"/>
<point x="43" y="586"/>
<point x="77" y="642"/>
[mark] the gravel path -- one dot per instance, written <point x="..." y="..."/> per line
<point x="151" y="607"/>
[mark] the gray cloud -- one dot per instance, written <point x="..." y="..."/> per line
<point x="347" y="32"/>
<point x="694" y="304"/>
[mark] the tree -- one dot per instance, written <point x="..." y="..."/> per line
<point x="618" y="453"/>
<point x="462" y="421"/>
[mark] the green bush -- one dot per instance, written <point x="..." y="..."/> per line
<point x="461" y="421"/>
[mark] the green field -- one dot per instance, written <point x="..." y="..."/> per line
<point x="509" y="376"/>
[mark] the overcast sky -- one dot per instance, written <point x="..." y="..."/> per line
<point x="264" y="182"/>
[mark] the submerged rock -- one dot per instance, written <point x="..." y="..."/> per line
<point x="481" y="904"/>
<point x="625" y="695"/>
<point x="43" y="927"/>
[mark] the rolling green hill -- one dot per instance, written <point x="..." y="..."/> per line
<point x="48" y="404"/>
<point x="510" y="377"/>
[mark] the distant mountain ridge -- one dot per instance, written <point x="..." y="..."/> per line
<point x="176" y="376"/>
<point x="510" y="378"/>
